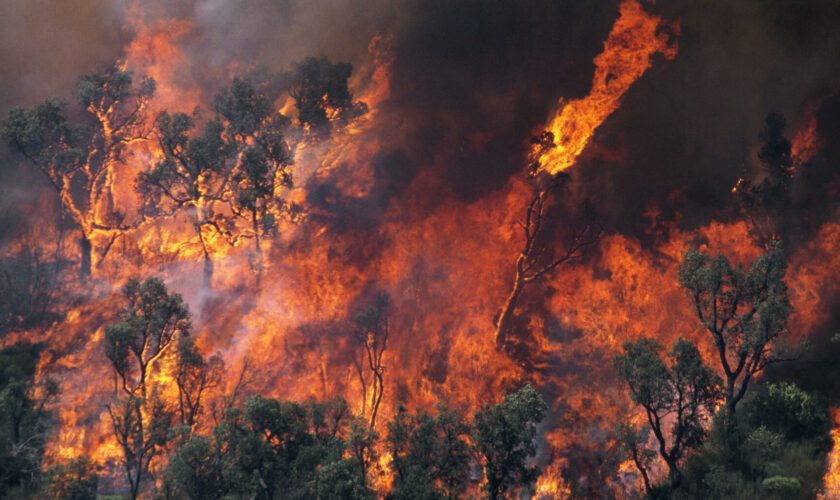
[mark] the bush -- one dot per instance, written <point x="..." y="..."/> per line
<point x="74" y="480"/>
<point x="787" y="409"/>
<point x="782" y="485"/>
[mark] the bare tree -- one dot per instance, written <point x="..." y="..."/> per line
<point x="373" y="327"/>
<point x="536" y="260"/>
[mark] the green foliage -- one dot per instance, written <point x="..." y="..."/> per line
<point x="151" y="320"/>
<point x="141" y="426"/>
<point x="194" y="376"/>
<point x="24" y="418"/>
<point x="430" y="455"/>
<point x="45" y="136"/>
<point x="505" y="435"/>
<point x="264" y="157"/>
<point x="779" y="167"/>
<point x="339" y="480"/>
<point x="320" y="90"/>
<point x="193" y="169"/>
<point x="72" y="480"/>
<point x="79" y="158"/>
<point x="787" y="409"/>
<point x="768" y="450"/>
<point x="271" y="449"/>
<point x="745" y="311"/>
<point x="196" y="470"/>
<point x="782" y="485"/>
<point x="688" y="390"/>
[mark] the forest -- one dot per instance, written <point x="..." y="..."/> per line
<point x="450" y="250"/>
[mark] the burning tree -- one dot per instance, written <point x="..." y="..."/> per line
<point x="263" y="162"/>
<point x="686" y="391"/>
<point x="241" y="160"/>
<point x="745" y="311"/>
<point x="321" y="94"/>
<point x="194" y="376"/>
<point x="192" y="176"/>
<point x="141" y="428"/>
<point x="141" y="421"/>
<point x="537" y="260"/>
<point x="373" y="327"/>
<point x="81" y="159"/>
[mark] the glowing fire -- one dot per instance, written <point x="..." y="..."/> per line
<point x="444" y="267"/>
<point x="831" y="481"/>
<point x="635" y="37"/>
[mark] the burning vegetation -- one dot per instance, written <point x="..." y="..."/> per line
<point x="240" y="261"/>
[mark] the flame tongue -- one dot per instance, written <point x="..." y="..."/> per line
<point x="635" y="37"/>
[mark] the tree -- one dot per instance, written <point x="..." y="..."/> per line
<point x="263" y="161"/>
<point x="269" y="449"/>
<point x="430" y="455"/>
<point x="80" y="159"/>
<point x="340" y="481"/>
<point x="373" y="328"/>
<point x="141" y="427"/>
<point x="152" y="320"/>
<point x="763" y="203"/>
<point x="197" y="470"/>
<point x="745" y="311"/>
<point x="194" y="376"/>
<point x="322" y="96"/>
<point x="360" y="441"/>
<point x="686" y="392"/>
<point x="634" y="440"/>
<point x="193" y="176"/>
<point x="788" y="410"/>
<point x="25" y="419"/>
<point x="505" y="436"/>
<point x="536" y="260"/>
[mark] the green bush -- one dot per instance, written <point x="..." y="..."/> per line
<point x="782" y="485"/>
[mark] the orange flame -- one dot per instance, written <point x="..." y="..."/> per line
<point x="635" y="37"/>
<point x="831" y="481"/>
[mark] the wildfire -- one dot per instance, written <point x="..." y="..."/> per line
<point x="443" y="265"/>
<point x="634" y="39"/>
<point x="806" y="142"/>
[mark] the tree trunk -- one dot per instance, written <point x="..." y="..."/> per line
<point x="506" y="316"/>
<point x="258" y="257"/>
<point x="85" y="249"/>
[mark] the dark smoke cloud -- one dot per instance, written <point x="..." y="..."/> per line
<point x="692" y="124"/>
<point x="44" y="46"/>
<point x="473" y="80"/>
